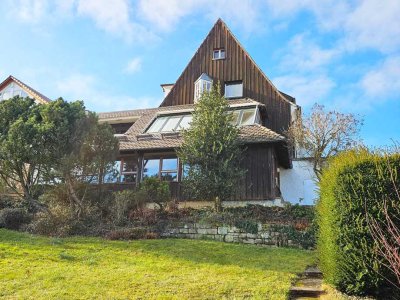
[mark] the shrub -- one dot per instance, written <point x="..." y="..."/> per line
<point x="355" y="184"/>
<point x="154" y="190"/>
<point x="13" y="218"/>
<point x="131" y="234"/>
<point x="127" y="203"/>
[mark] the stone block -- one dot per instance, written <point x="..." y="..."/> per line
<point x="251" y="235"/>
<point x="212" y="231"/>
<point x="258" y="241"/>
<point x="183" y="230"/>
<point x="249" y="241"/>
<point x="192" y="230"/>
<point x="228" y="238"/>
<point x="265" y="235"/>
<point x="222" y="230"/>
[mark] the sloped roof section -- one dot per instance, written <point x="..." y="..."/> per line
<point x="29" y="90"/>
<point x="136" y="137"/>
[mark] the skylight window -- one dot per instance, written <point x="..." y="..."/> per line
<point x="245" y="116"/>
<point x="170" y="123"/>
<point x="219" y="54"/>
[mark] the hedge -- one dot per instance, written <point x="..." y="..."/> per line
<point x="354" y="185"/>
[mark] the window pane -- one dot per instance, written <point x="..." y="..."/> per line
<point x="171" y="124"/>
<point x="128" y="178"/>
<point x="222" y="53"/>
<point x="151" y="167"/>
<point x="233" y="90"/>
<point x="216" y="54"/>
<point x="157" y="124"/>
<point x="170" y="176"/>
<point x="129" y="165"/>
<point x="248" y="117"/>
<point x="112" y="176"/>
<point x="170" y="164"/>
<point x="185" y="123"/>
<point x="235" y="116"/>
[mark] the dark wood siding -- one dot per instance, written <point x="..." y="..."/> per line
<point x="259" y="183"/>
<point x="237" y="65"/>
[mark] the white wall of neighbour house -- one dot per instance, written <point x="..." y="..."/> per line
<point x="298" y="185"/>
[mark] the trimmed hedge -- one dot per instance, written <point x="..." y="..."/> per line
<point x="355" y="184"/>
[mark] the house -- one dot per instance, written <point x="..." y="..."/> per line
<point x="12" y="87"/>
<point x="149" y="137"/>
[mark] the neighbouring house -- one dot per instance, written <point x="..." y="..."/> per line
<point x="149" y="137"/>
<point x="12" y="87"/>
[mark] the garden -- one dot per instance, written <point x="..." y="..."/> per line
<point x="82" y="268"/>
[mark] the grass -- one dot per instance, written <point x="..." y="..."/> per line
<point x="35" y="267"/>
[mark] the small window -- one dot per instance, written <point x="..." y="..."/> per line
<point x="234" y="89"/>
<point x="128" y="169"/>
<point x="218" y="54"/>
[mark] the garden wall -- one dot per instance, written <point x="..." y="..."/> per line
<point x="268" y="234"/>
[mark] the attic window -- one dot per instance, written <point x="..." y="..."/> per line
<point x="234" y="89"/>
<point x="218" y="54"/>
<point x="202" y="84"/>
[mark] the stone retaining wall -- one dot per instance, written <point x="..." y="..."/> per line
<point x="266" y="234"/>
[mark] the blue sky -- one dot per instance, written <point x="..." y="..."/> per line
<point x="115" y="54"/>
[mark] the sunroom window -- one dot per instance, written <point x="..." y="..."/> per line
<point x="164" y="168"/>
<point x="202" y="84"/>
<point x="170" y="123"/>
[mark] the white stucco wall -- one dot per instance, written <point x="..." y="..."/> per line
<point x="298" y="185"/>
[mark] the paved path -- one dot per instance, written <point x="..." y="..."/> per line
<point x="308" y="286"/>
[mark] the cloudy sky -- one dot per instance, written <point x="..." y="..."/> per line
<point x="115" y="54"/>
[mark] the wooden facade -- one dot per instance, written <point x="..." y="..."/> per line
<point x="236" y="66"/>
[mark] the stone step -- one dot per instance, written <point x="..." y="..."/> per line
<point x="304" y="291"/>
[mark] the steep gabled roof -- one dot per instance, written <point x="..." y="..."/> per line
<point x="219" y="34"/>
<point x="29" y="90"/>
<point x="236" y="66"/>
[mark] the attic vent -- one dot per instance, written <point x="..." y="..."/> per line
<point x="218" y="54"/>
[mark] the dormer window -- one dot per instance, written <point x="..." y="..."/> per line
<point x="234" y="89"/>
<point x="219" y="54"/>
<point x="202" y="84"/>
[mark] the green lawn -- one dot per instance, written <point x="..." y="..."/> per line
<point x="36" y="267"/>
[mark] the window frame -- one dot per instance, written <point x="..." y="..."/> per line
<point x="232" y="83"/>
<point x="167" y="118"/>
<point x="161" y="169"/>
<point x="221" y="54"/>
<point x="124" y="173"/>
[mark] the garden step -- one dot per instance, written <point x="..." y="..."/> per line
<point x="308" y="286"/>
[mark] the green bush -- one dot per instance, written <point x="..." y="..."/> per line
<point x="355" y="185"/>
<point x="13" y="218"/>
<point x="127" y="203"/>
<point x="154" y="190"/>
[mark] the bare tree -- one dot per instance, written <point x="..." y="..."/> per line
<point x="323" y="134"/>
<point x="386" y="231"/>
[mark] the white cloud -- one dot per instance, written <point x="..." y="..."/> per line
<point x="165" y="15"/>
<point x="305" y="55"/>
<point x="383" y="81"/>
<point x="306" y="89"/>
<point x="374" y="24"/>
<point x="87" y="88"/>
<point x="134" y="65"/>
